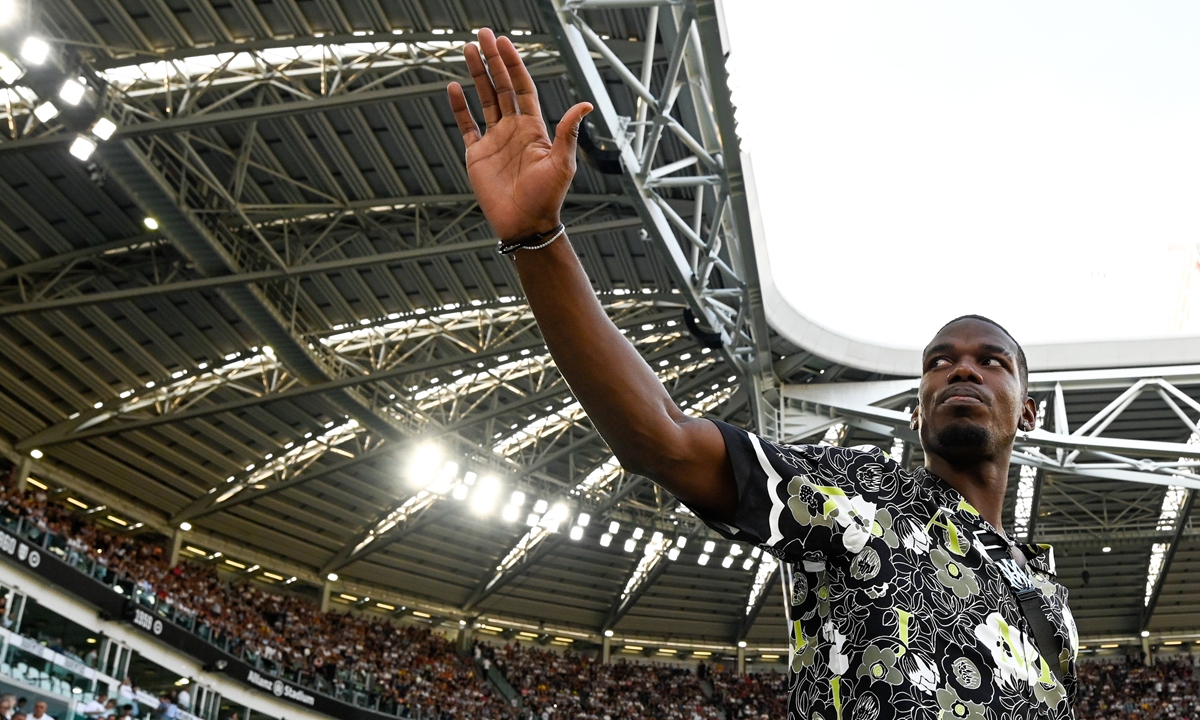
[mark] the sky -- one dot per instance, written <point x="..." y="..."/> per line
<point x="1035" y="162"/>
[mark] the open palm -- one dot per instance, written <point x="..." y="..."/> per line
<point x="519" y="176"/>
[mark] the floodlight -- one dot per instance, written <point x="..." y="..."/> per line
<point x="727" y="562"/>
<point x="673" y="554"/>
<point x="35" y="51"/>
<point x="185" y="526"/>
<point x="741" y="643"/>
<point x="422" y="467"/>
<point x="518" y="499"/>
<point x="150" y="223"/>
<point x="608" y="633"/>
<point x="540" y="506"/>
<point x="104" y="128"/>
<point x="703" y="559"/>
<point x="450" y="469"/>
<point x="45" y="112"/>
<point x="656" y="538"/>
<point x="460" y="492"/>
<point x="681" y="541"/>
<point x="483" y="500"/>
<point x="614" y="527"/>
<point x="469" y="478"/>
<point x="35" y="454"/>
<point x="605" y="540"/>
<point x="72" y="92"/>
<point x="638" y="533"/>
<point x="630" y="545"/>
<point x="748" y="564"/>
<point x="1145" y="633"/>
<point x="332" y="577"/>
<point x="710" y="546"/>
<point x="735" y="549"/>
<point x="576" y="532"/>
<point x="583" y="519"/>
<point x="510" y="513"/>
<point x="8" y="11"/>
<point x="10" y="72"/>
<point x="533" y="519"/>
<point x="83" y="147"/>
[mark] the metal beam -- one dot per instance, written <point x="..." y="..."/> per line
<point x="493" y="582"/>
<point x="365" y="543"/>
<point x="371" y="540"/>
<point x="248" y="278"/>
<point x="1169" y="556"/>
<point x="756" y="602"/>
<point x="1039" y="480"/>
<point x="710" y="258"/>
<point x="208" y="503"/>
<point x="649" y="568"/>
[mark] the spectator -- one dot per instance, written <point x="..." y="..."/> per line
<point x="96" y="707"/>
<point x="184" y="700"/>
<point x="7" y="703"/>
<point x="39" y="711"/>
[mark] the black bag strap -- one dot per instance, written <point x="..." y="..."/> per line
<point x="1029" y="599"/>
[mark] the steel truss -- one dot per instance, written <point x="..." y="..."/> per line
<point x="710" y="257"/>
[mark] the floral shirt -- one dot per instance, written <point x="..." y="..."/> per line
<point x="895" y="609"/>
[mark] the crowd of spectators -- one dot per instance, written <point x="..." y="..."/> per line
<point x="407" y="668"/>
<point x="571" y="685"/>
<point x="753" y="696"/>
<point x="1132" y="690"/>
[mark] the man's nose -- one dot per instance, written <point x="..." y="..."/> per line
<point x="965" y="370"/>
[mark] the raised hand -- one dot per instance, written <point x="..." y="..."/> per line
<point x="520" y="178"/>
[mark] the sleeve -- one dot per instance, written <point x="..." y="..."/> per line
<point x="794" y="499"/>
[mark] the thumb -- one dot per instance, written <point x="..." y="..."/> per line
<point x="566" y="135"/>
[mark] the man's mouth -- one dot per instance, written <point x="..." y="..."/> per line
<point x="962" y="398"/>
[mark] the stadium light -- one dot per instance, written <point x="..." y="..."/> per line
<point x="656" y="538"/>
<point x="469" y="478"/>
<point x="46" y="112"/>
<point x="606" y="540"/>
<point x="72" y="92"/>
<point x="630" y="545"/>
<point x="710" y="546"/>
<point x="185" y="526"/>
<point x="540" y="506"/>
<point x="460" y="492"/>
<point x="10" y="71"/>
<point x="483" y="500"/>
<point x="681" y="542"/>
<point x="673" y="554"/>
<point x="510" y="513"/>
<point x="518" y="499"/>
<point x="608" y="633"/>
<point x="150" y="223"/>
<point x="748" y="564"/>
<point x="728" y="561"/>
<point x="703" y="559"/>
<point x="332" y="577"/>
<point x="1106" y="549"/>
<point x="583" y="519"/>
<point x="8" y="11"/>
<point x="533" y="519"/>
<point x="576" y="532"/>
<point x="614" y="527"/>
<point x="1145" y="633"/>
<point x="741" y="643"/>
<point x="422" y="467"/>
<point x="35" y="454"/>
<point x="104" y="129"/>
<point x="638" y="533"/>
<point x="35" y="51"/>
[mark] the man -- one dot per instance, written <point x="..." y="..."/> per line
<point x="39" y="711"/>
<point x="905" y="597"/>
<point x="95" y="708"/>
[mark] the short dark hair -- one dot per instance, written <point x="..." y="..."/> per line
<point x="1022" y="363"/>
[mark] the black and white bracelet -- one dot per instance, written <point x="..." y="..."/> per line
<point x="532" y="242"/>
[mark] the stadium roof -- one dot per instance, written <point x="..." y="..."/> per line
<point x="316" y="361"/>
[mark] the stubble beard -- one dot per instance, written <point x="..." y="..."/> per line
<point x="964" y="441"/>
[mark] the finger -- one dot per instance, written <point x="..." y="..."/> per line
<point x="566" y="135"/>
<point x="522" y="82"/>
<point x="483" y="85"/>
<point x="505" y="96"/>
<point x="462" y="114"/>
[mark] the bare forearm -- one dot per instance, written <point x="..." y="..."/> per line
<point x="620" y="393"/>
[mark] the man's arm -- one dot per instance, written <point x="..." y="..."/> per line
<point x="521" y="179"/>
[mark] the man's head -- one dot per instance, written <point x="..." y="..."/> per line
<point x="974" y="391"/>
<point x="39" y="709"/>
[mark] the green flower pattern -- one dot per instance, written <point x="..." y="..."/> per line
<point x="894" y="609"/>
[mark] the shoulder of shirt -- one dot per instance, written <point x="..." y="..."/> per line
<point x="818" y="451"/>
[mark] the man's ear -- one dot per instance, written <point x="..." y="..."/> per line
<point x="1028" y="415"/>
<point x="914" y="422"/>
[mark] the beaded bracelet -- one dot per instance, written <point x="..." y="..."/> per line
<point x="532" y="242"/>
